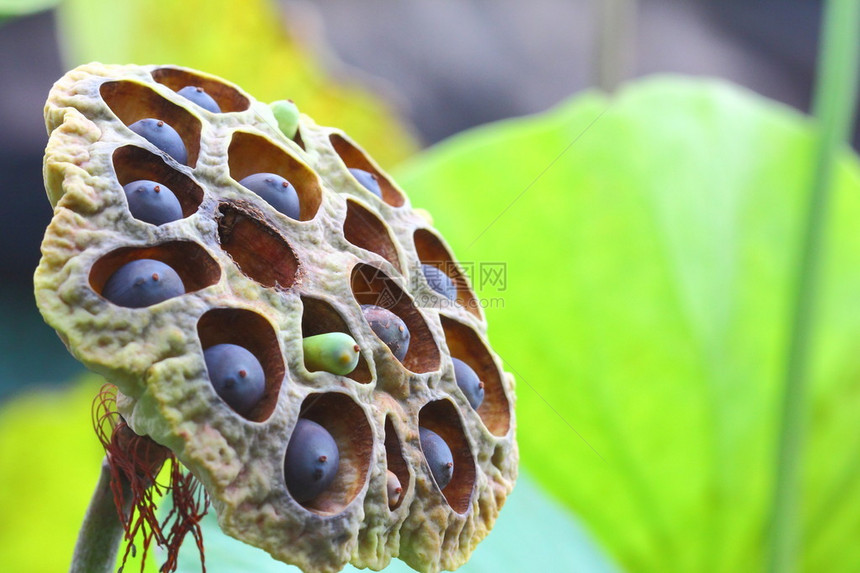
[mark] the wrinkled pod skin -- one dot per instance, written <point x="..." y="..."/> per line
<point x="257" y="279"/>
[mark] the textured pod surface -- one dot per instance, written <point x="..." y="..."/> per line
<point x="259" y="279"/>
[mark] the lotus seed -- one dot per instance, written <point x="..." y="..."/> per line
<point x="152" y="202"/>
<point x="439" y="281"/>
<point x="276" y="191"/>
<point x="311" y="462"/>
<point x="335" y="352"/>
<point x="468" y="382"/>
<point x="389" y="327"/>
<point x="393" y="487"/>
<point x="236" y="375"/>
<point x="199" y="96"/>
<point x="162" y="136"/>
<point x="368" y="180"/>
<point x="141" y="283"/>
<point x="287" y="115"/>
<point x="438" y="456"/>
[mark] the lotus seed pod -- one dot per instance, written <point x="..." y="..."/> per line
<point x="267" y="283"/>
<point x="335" y="352"/>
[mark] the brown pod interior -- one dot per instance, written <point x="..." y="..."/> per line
<point x="394" y="460"/>
<point x="132" y="163"/>
<point x="353" y="157"/>
<point x="226" y="96"/>
<point x="132" y="101"/>
<point x="441" y="416"/>
<point x="431" y="251"/>
<point x="465" y="344"/>
<point x="255" y="333"/>
<point x="348" y="425"/>
<point x="260" y="251"/>
<point x="298" y="137"/>
<point x="319" y="317"/>
<point x="371" y="286"/>
<point x="250" y="153"/>
<point x="191" y="262"/>
<point x="365" y="230"/>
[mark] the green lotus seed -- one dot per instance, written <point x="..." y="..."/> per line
<point x="335" y="352"/>
<point x="287" y="114"/>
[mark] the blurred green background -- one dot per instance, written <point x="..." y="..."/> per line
<point x="648" y="227"/>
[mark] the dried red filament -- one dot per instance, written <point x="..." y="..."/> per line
<point x="134" y="463"/>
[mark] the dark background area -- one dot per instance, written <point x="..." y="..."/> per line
<point x="448" y="65"/>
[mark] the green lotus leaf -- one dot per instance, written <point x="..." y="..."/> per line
<point x="50" y="463"/>
<point x="648" y="243"/>
<point x="10" y="8"/>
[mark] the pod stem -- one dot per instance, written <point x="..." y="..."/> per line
<point x="101" y="532"/>
<point x="833" y="108"/>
